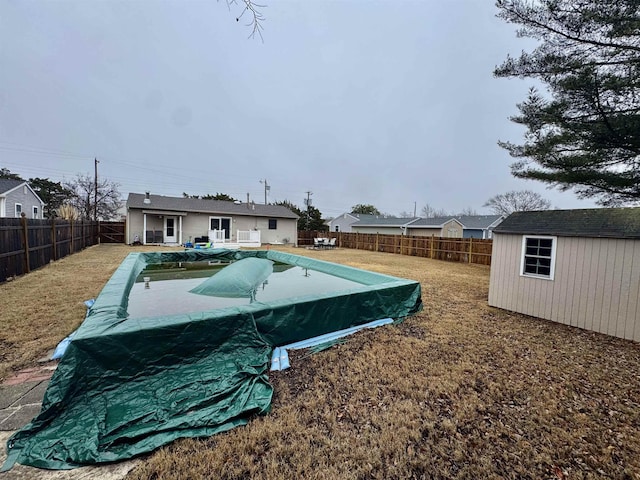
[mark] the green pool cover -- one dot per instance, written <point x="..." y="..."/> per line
<point x="126" y="386"/>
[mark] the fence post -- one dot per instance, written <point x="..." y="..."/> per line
<point x="25" y="238"/>
<point x="54" y="253"/>
<point x="71" y="248"/>
<point x="470" y="248"/>
<point x="356" y="240"/>
<point x="431" y="247"/>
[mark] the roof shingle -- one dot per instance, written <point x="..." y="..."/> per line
<point x="596" y="222"/>
<point x="160" y="202"/>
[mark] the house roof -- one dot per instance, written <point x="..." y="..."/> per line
<point x="365" y="220"/>
<point x="7" y="184"/>
<point x="160" y="202"/>
<point x="433" y="222"/>
<point x="596" y="222"/>
<point x="478" y="221"/>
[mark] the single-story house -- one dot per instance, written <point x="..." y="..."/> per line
<point x="176" y="221"/>
<point x="461" y="226"/>
<point x="436" y="226"/>
<point x="479" y="226"/>
<point x="577" y="267"/>
<point x="342" y="223"/>
<point x="17" y="197"/>
<point x="381" y="224"/>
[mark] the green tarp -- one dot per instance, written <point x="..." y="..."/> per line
<point x="127" y="386"/>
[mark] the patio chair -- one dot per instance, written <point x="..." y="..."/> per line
<point x="316" y="243"/>
<point x="332" y="243"/>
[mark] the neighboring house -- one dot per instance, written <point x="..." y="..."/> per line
<point x="437" y="227"/>
<point x="380" y="224"/>
<point x="467" y="226"/>
<point x="17" y="197"/>
<point x="342" y="223"/>
<point x="577" y="267"/>
<point x="479" y="226"/>
<point x="175" y="220"/>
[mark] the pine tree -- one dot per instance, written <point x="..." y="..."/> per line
<point x="584" y="132"/>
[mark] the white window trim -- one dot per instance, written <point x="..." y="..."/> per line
<point x="35" y="212"/>
<point x="15" y="210"/>
<point x="554" y="246"/>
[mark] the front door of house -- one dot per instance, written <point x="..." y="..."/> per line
<point x="170" y="234"/>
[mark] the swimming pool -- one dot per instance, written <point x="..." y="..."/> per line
<point x="191" y="359"/>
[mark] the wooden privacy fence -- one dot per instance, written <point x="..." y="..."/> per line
<point x="112" y="232"/>
<point x="468" y="250"/>
<point x="27" y="244"/>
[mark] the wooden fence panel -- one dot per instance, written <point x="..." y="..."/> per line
<point x="467" y="250"/>
<point x="113" y="232"/>
<point x="27" y="244"/>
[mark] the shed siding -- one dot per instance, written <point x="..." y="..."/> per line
<point x="596" y="284"/>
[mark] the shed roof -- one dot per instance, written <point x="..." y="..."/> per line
<point x="160" y="202"/>
<point x="595" y="222"/>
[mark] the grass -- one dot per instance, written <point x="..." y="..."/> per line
<point x="461" y="390"/>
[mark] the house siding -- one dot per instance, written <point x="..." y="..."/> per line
<point x="196" y="224"/>
<point x="343" y="222"/>
<point x="472" y="233"/>
<point x="452" y="226"/>
<point x="376" y="229"/>
<point x="28" y="200"/>
<point x="425" y="232"/>
<point x="596" y="285"/>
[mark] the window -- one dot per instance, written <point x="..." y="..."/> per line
<point x="337" y="228"/>
<point x="35" y="212"/>
<point x="18" y="209"/>
<point x="273" y="224"/>
<point x="538" y="257"/>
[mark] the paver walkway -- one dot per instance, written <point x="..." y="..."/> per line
<point x="20" y="400"/>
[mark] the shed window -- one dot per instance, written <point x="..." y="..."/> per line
<point x="273" y="224"/>
<point x="35" y="212"/>
<point x="538" y="256"/>
<point x="18" y="209"/>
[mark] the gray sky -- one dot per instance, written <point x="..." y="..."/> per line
<point x="380" y="102"/>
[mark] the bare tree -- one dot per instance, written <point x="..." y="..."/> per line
<point x="468" y="211"/>
<point x="430" y="212"/>
<point x="405" y="214"/>
<point x="517" y="201"/>
<point x="255" y="16"/>
<point x="84" y="197"/>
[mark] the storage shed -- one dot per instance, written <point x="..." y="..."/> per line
<point x="577" y="267"/>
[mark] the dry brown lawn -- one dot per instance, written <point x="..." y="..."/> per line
<point x="460" y="390"/>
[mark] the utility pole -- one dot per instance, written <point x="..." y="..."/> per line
<point x="307" y="202"/>
<point x="267" y="188"/>
<point x="414" y="209"/>
<point x="95" y="188"/>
